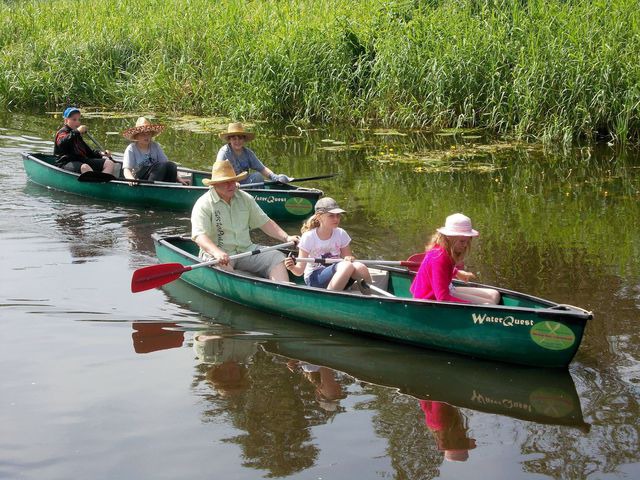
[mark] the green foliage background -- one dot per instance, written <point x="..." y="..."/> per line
<point x="550" y="69"/>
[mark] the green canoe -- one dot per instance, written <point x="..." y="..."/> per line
<point x="541" y="395"/>
<point x="279" y="201"/>
<point x="523" y="330"/>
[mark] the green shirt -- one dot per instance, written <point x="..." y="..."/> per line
<point x="227" y="224"/>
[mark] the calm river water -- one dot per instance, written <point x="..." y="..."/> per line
<point x="99" y="383"/>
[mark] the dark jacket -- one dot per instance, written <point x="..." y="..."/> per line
<point x="70" y="146"/>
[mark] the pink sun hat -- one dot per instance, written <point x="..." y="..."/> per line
<point x="458" y="225"/>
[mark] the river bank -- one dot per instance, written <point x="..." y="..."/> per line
<point x="553" y="70"/>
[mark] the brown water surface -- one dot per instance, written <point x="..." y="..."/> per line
<point x="100" y="383"/>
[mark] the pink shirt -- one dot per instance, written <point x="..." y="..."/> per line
<point x="437" y="415"/>
<point x="434" y="277"/>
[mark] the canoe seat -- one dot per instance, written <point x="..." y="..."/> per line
<point x="380" y="278"/>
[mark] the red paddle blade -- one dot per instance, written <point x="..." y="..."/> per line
<point x="415" y="260"/>
<point x="153" y="276"/>
<point x="412" y="266"/>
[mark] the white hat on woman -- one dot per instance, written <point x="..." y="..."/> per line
<point x="458" y="225"/>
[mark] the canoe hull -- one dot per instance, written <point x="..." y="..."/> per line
<point x="543" y="336"/>
<point x="285" y="203"/>
<point x="539" y="395"/>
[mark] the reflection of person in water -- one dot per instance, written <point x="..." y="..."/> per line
<point x="263" y="402"/>
<point x="448" y="426"/>
<point x="328" y="391"/>
<point x="229" y="358"/>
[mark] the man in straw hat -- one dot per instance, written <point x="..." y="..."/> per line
<point x="144" y="159"/>
<point x="242" y="158"/>
<point x="72" y="151"/>
<point x="222" y="219"/>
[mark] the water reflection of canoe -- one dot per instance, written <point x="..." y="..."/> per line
<point x="538" y="395"/>
<point x="525" y="330"/>
<point x="279" y="201"/>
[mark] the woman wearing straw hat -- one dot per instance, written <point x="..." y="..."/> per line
<point x="242" y="158"/>
<point x="144" y="159"/>
<point x="222" y="218"/>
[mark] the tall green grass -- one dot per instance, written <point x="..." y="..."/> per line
<point x="550" y="69"/>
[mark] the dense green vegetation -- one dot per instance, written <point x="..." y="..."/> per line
<point x="551" y="69"/>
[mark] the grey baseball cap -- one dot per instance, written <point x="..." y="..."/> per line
<point x="328" y="205"/>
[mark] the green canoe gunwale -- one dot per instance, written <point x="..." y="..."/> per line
<point x="501" y="333"/>
<point x="164" y="195"/>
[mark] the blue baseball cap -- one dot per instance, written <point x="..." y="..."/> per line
<point x="70" y="111"/>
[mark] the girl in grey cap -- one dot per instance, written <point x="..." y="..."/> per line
<point x="322" y="237"/>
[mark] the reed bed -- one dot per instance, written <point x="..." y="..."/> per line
<point x="547" y="69"/>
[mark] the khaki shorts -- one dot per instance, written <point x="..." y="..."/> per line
<point x="260" y="264"/>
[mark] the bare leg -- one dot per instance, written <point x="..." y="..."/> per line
<point x="344" y="271"/>
<point x="84" y="168"/>
<point x="108" y="166"/>
<point x="478" y="295"/>
<point x="361" y="272"/>
<point x="279" y="273"/>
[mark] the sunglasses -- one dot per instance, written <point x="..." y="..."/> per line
<point x="241" y="137"/>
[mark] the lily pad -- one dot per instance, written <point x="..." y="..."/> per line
<point x="206" y="125"/>
<point x="111" y="115"/>
<point x="388" y="132"/>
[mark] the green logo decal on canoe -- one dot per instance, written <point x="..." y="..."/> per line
<point x="552" y="402"/>
<point x="298" y="206"/>
<point x="552" y="335"/>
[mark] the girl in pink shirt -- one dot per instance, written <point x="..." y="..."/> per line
<point x="446" y="251"/>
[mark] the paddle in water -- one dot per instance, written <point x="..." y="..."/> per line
<point x="153" y="276"/>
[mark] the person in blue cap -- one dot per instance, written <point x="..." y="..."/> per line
<point x="72" y="151"/>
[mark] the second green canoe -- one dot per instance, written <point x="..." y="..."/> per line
<point x="279" y="201"/>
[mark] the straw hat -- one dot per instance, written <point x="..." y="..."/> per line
<point x="458" y="225"/>
<point x="223" y="171"/>
<point x="237" y="129"/>
<point x="143" y="125"/>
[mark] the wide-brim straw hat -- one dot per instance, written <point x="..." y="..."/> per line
<point x="143" y="125"/>
<point x="237" y="129"/>
<point x="458" y="225"/>
<point x="222" y="171"/>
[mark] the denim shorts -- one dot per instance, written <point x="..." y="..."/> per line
<point x="321" y="277"/>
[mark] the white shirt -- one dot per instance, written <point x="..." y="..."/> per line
<point x="318" y="248"/>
